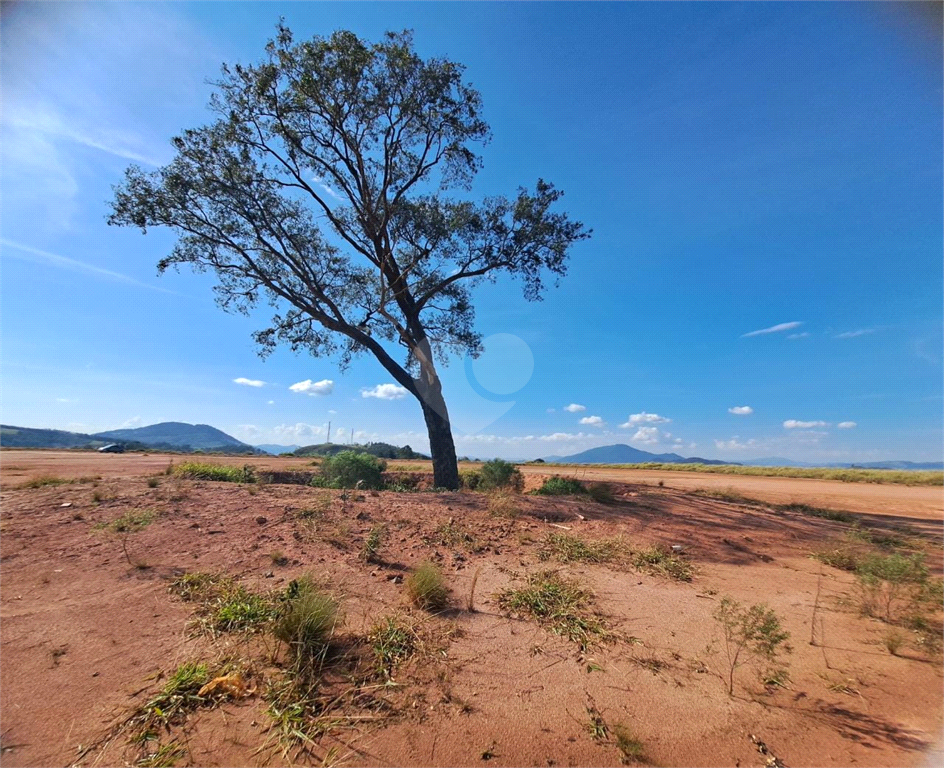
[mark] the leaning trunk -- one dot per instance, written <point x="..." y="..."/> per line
<point x="441" y="446"/>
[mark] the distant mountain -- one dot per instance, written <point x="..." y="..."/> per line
<point x="626" y="454"/>
<point x="27" y="437"/>
<point x="775" y="461"/>
<point x="275" y="450"/>
<point x="178" y="435"/>
<point x="779" y="461"/>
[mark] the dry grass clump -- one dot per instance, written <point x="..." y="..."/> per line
<point x="572" y="549"/>
<point x="426" y="588"/>
<point x="560" y="604"/>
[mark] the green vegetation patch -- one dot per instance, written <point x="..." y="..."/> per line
<point x="852" y="475"/>
<point x="350" y="469"/>
<point x="561" y="486"/>
<point x="131" y="521"/>
<point x="223" y="473"/>
<point x="559" y="604"/>
<point x="498" y="473"/>
<point x="392" y="641"/>
<point x="224" y="605"/>
<point x="660" y="561"/>
<point x="572" y="549"/>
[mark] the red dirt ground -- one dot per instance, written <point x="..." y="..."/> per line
<point x="87" y="636"/>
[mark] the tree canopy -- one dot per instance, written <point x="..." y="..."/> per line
<point x="322" y="188"/>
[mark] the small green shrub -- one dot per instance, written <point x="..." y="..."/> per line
<point x="469" y="479"/>
<point x="130" y="522"/>
<point x="602" y="493"/>
<point x="223" y="473"/>
<point x="561" y="486"/>
<point x="426" y="588"/>
<point x="753" y="633"/>
<point x="498" y="473"/>
<point x="277" y="556"/>
<point x="559" y="604"/>
<point x="350" y="469"/>
<point x="153" y="482"/>
<point x="884" y="580"/>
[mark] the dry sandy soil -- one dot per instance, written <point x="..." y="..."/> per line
<point x="90" y="630"/>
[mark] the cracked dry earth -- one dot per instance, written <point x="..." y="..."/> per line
<point x="91" y="631"/>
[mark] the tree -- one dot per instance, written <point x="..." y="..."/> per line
<point x="321" y="188"/>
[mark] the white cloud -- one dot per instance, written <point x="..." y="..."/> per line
<point x="249" y="429"/>
<point x="798" y="335"/>
<point x="593" y="421"/>
<point x="64" y="400"/>
<point x="135" y="421"/>
<point x="646" y="435"/>
<point x="249" y="382"/>
<point x="314" y="388"/>
<point x="385" y="392"/>
<point x="295" y="431"/>
<point x="854" y="334"/>
<point x="847" y="425"/>
<point x="774" y="329"/>
<point x="575" y="408"/>
<point x="644" y="418"/>
<point x="734" y="444"/>
<point x="794" y="424"/>
<point x="741" y="410"/>
<point x="271" y="402"/>
<point x="551" y="410"/>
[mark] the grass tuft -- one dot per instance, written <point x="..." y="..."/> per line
<point x="572" y="549"/>
<point x="426" y="588"/>
<point x="661" y="561"/>
<point x="560" y="605"/>
<point x="392" y="641"/>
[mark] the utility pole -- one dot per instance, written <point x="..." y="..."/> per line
<point x="329" y="433"/>
<point x="352" y="435"/>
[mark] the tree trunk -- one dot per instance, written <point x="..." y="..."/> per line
<point x="441" y="445"/>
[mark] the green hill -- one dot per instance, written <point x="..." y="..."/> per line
<point x="381" y="450"/>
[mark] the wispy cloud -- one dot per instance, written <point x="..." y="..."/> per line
<point x="313" y="388"/>
<point x="798" y="335"/>
<point x="774" y="329"/>
<point x="575" y="408"/>
<point x="741" y="410"/>
<point x="249" y="382"/>
<point x="644" y="418"/>
<point x="855" y="334"/>
<point x="794" y="424"/>
<point x="385" y="392"/>
<point x="593" y="421"/>
<point x="37" y="256"/>
<point x="298" y="430"/>
<point x="847" y="425"/>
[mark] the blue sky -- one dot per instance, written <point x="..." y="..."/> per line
<point x="764" y="182"/>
